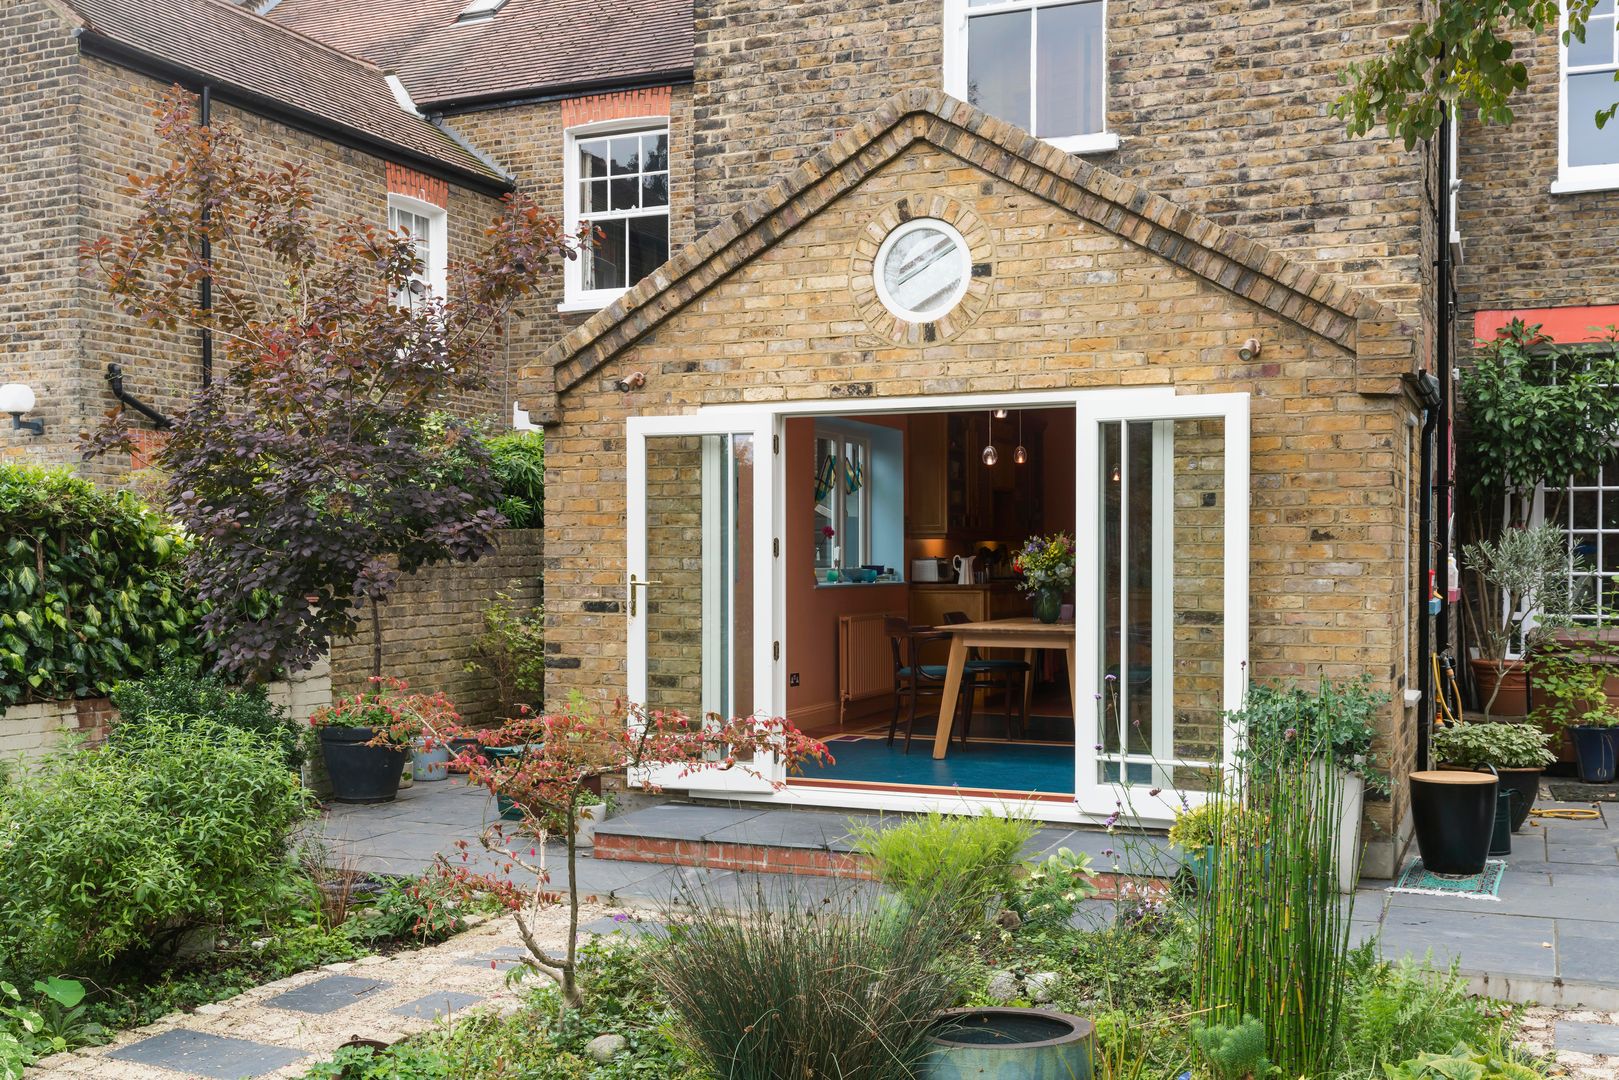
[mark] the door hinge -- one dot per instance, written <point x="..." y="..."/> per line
<point x="775" y="650"/>
<point x="775" y="547"/>
<point x="775" y="444"/>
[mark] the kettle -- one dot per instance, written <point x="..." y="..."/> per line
<point x="966" y="571"/>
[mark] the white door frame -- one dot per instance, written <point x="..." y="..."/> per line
<point x="1091" y="795"/>
<point x="762" y="428"/>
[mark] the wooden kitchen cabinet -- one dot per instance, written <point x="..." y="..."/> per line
<point x="927" y="502"/>
<point x="980" y="603"/>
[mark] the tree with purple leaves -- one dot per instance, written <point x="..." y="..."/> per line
<point x="326" y="461"/>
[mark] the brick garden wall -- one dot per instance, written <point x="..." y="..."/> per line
<point x="430" y="624"/>
<point x="1070" y="305"/>
<point x="1223" y="108"/>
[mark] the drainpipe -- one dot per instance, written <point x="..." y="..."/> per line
<point x="1428" y="387"/>
<point x="205" y="289"/>
<point x="1443" y="344"/>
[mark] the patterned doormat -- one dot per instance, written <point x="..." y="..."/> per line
<point x="1576" y="791"/>
<point x="1418" y="879"/>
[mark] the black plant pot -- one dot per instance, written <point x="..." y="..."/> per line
<point x="1596" y="749"/>
<point x="1454" y="813"/>
<point x="1525" y="786"/>
<point x="360" y="773"/>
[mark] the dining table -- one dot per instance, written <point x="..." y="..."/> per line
<point x="1030" y="635"/>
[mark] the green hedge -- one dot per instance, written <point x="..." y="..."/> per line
<point x="91" y="589"/>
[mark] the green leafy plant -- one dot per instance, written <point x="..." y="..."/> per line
<point x="1571" y="690"/>
<point x="1465" y="1063"/>
<point x="517" y="460"/>
<point x="112" y="854"/>
<point x="1393" y="1012"/>
<point x="975" y="860"/>
<point x="63" y="1014"/>
<point x="430" y="909"/>
<point x="787" y="987"/>
<point x="1197" y="827"/>
<point x="511" y="650"/>
<point x="91" y="588"/>
<point x="1337" y="720"/>
<point x="181" y="693"/>
<point x="1506" y="746"/>
<point x="22" y="1036"/>
<point x="1518" y="595"/>
<point x="1233" y="1052"/>
<point x="1047" y="896"/>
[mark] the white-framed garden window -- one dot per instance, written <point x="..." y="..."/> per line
<point x="616" y="179"/>
<point x="843" y="476"/>
<point x="1039" y="64"/>
<point x="1588" y="156"/>
<point x="1586" y="508"/>
<point x="428" y="228"/>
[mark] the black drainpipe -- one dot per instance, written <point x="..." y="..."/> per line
<point x="205" y="290"/>
<point x="1428" y="386"/>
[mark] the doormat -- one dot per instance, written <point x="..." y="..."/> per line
<point x="1575" y="791"/>
<point x="1484" y="886"/>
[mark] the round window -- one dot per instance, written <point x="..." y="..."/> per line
<point x="922" y="270"/>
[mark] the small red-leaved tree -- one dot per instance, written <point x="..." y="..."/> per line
<point x="566" y="754"/>
<point x="321" y="465"/>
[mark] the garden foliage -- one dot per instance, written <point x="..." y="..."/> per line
<point x="182" y="695"/>
<point x="318" y="469"/>
<point x="975" y="861"/>
<point x="1394" y="1012"/>
<point x="91" y="589"/>
<point x="108" y="855"/>
<point x="517" y="459"/>
<point x="511" y="650"/>
<point x="1506" y="746"/>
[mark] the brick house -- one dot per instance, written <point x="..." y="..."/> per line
<point x="849" y="250"/>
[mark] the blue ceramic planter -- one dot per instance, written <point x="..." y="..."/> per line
<point x="1009" y="1044"/>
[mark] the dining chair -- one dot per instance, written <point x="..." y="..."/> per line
<point x="914" y="680"/>
<point x="993" y="672"/>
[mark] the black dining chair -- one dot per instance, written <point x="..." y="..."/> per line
<point x="914" y="680"/>
<point x="991" y="672"/>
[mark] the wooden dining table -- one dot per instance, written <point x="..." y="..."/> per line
<point x="1030" y="635"/>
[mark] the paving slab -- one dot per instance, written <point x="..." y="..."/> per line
<point x="197" y="1053"/>
<point x="326" y="995"/>
<point x="1588" y="951"/>
<point x="1585" y="1037"/>
<point x="439" y="1004"/>
<point x="676" y="821"/>
<point x="785" y="828"/>
<point x="1479" y="943"/>
<point x="625" y="926"/>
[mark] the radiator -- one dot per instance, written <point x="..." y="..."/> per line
<point x="865" y="661"/>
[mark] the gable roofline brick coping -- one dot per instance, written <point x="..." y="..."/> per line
<point x="1385" y="348"/>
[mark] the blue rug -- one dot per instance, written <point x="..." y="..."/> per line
<point x="985" y="765"/>
<point x="1424" y="882"/>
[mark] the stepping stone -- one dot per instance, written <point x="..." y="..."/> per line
<point x="1582" y="1037"/>
<point x="196" y="1053"/>
<point x="506" y="956"/>
<point x="327" y="995"/>
<point x="436" y="1005"/>
<point x="627" y="927"/>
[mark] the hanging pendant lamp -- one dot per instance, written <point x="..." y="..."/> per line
<point x="990" y="454"/>
<point x="1020" y="455"/>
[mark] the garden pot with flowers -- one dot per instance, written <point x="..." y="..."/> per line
<point x="364" y="739"/>
<point x="1045" y="568"/>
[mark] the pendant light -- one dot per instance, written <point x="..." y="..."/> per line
<point x="990" y="454"/>
<point x="1020" y="455"/>
<point x="999" y="414"/>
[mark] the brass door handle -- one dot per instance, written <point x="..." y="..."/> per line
<point x="636" y="583"/>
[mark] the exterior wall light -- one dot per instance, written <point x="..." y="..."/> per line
<point x="1249" y="350"/>
<point x="16" y="399"/>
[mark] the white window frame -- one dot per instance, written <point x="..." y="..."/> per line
<point x="575" y="296"/>
<point x="955" y="66"/>
<point x="961" y="253"/>
<point x="840" y="497"/>
<point x="1578" y="178"/>
<point x="438" y="239"/>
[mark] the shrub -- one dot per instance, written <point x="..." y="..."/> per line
<point x="110" y="854"/>
<point x="182" y="694"/>
<point x="1393" y="1012"/>
<point x="1466" y="1063"/>
<point x="974" y="860"/>
<point x="511" y="650"/>
<point x="788" y="987"/>
<point x="1047" y="897"/>
<point x="1235" y="1052"/>
<point x="1339" y="719"/>
<point x="427" y="910"/>
<point x="517" y="460"/>
<point x="91" y="590"/>
<point x="1506" y="746"/>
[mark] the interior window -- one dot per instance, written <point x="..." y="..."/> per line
<point x="622" y="190"/>
<point x="842" y="503"/>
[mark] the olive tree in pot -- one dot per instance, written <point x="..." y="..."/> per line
<point x="364" y="738"/>
<point x="1520" y="595"/>
<point x="1571" y="691"/>
<point x="1517" y="753"/>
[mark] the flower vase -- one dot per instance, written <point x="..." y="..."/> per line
<point x="1047" y="605"/>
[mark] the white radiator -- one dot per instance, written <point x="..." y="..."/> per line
<point x="865" y="661"/>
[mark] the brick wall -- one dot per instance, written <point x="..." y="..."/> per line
<point x="431" y="622"/>
<point x="527" y="141"/>
<point x="1070" y="305"/>
<point x="39" y="159"/>
<point x="1522" y="246"/>
<point x="1222" y="107"/>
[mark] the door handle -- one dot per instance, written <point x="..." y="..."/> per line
<point x="636" y="583"/>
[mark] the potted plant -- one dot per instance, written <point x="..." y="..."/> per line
<point x="1194" y="834"/>
<point x="1517" y="752"/>
<point x="1045" y="567"/>
<point x="1519" y="596"/>
<point x="364" y="739"/>
<point x="1571" y="694"/>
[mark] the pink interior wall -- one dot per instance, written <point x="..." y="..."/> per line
<point x="812" y="614"/>
<point x="1058" y="476"/>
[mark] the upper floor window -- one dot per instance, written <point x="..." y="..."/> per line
<point x="618" y="182"/>
<point x="426" y="226"/>
<point x="1039" y="64"/>
<point x="1588" y="156"/>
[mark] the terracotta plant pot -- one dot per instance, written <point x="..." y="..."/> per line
<point x="1513" y="697"/>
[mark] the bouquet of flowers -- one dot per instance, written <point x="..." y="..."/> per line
<point x="1046" y="564"/>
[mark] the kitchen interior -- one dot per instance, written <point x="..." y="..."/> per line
<point x="917" y="515"/>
